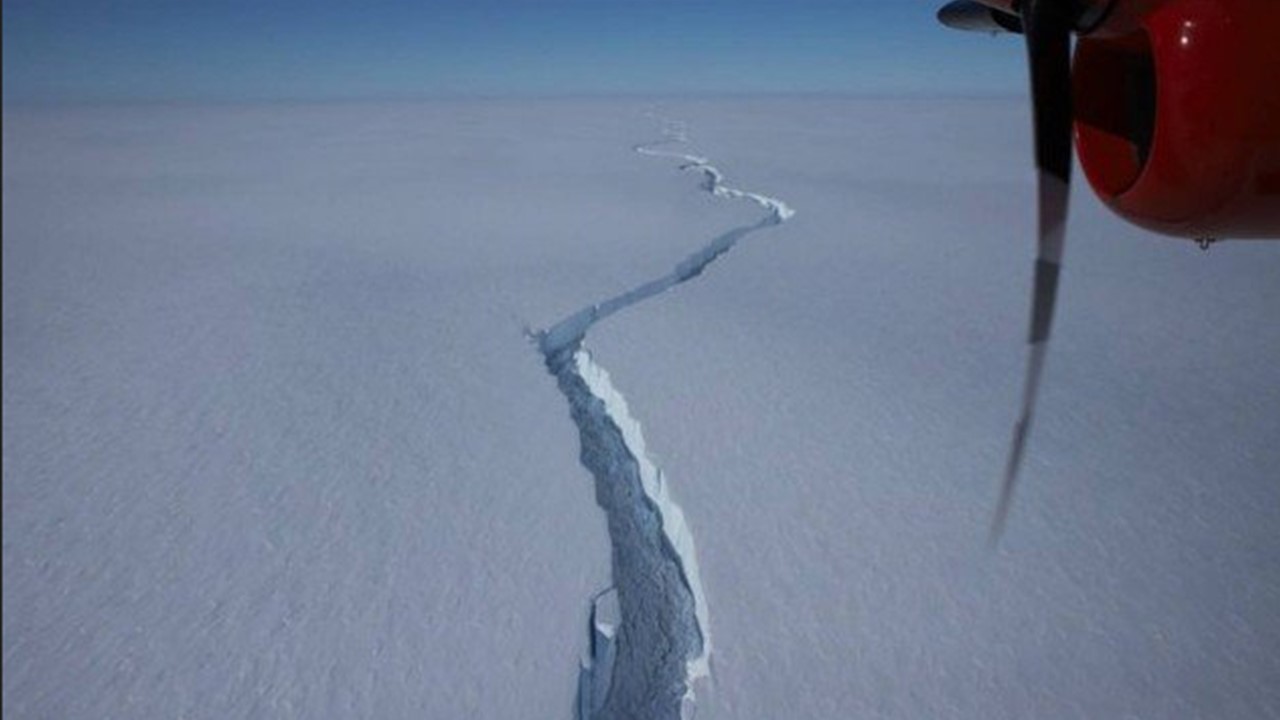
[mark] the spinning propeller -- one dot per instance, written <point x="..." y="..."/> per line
<point x="1047" y="26"/>
<point x="1204" y="73"/>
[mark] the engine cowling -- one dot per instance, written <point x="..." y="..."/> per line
<point x="1178" y="115"/>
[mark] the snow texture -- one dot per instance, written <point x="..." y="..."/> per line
<point x="274" y="445"/>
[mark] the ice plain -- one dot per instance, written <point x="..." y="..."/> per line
<point x="276" y="442"/>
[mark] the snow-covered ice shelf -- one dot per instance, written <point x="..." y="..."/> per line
<point x="275" y="446"/>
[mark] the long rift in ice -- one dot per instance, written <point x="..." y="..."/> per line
<point x="646" y="666"/>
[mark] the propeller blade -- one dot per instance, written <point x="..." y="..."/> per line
<point x="1047" y="25"/>
<point x="974" y="16"/>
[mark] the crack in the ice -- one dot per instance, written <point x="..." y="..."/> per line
<point x="645" y="665"/>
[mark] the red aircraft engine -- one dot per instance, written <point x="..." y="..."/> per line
<point x="1177" y="115"/>
<point x="1176" y="107"/>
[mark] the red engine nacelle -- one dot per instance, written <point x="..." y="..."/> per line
<point x="1178" y="114"/>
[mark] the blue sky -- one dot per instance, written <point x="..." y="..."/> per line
<point x="92" y="50"/>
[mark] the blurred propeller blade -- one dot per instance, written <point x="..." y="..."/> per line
<point x="976" y="17"/>
<point x="1047" y="25"/>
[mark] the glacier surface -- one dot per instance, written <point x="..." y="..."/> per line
<point x="276" y="444"/>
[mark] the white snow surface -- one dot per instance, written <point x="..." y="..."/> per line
<point x="276" y="443"/>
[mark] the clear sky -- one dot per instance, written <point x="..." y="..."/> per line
<point x="91" y="50"/>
